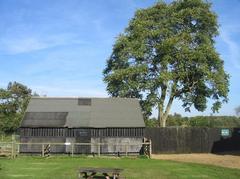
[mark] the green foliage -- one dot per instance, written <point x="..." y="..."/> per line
<point x="167" y="52"/>
<point x="152" y="122"/>
<point x="198" y="121"/>
<point x="13" y="103"/>
<point x="6" y="138"/>
<point x="215" y="121"/>
<point x="177" y="120"/>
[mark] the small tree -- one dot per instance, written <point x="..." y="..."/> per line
<point x="167" y="52"/>
<point x="237" y="110"/>
<point x="13" y="103"/>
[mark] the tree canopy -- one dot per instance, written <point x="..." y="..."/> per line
<point x="13" y="103"/>
<point x="167" y="52"/>
<point x="237" y="110"/>
<point x="177" y="120"/>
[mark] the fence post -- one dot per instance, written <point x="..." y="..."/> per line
<point x="150" y="148"/>
<point x="72" y="148"/>
<point x="42" y="150"/>
<point x="126" y="149"/>
<point x="18" y="148"/>
<point x="13" y="137"/>
<point x="99" y="149"/>
<point x="14" y="149"/>
<point x="12" y="154"/>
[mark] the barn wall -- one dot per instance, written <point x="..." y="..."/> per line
<point x="76" y="132"/>
<point x="69" y="147"/>
<point x="108" y="148"/>
<point x="117" y="132"/>
<point x="81" y="135"/>
<point x="34" y="148"/>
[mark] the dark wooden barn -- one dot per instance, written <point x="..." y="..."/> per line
<point x="82" y="120"/>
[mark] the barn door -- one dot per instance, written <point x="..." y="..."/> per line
<point x="83" y="136"/>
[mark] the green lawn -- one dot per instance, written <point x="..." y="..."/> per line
<point x="67" y="167"/>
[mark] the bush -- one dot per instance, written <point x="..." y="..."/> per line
<point x="198" y="121"/>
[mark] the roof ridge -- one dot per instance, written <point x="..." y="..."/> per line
<point x="77" y="97"/>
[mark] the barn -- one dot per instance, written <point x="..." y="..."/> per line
<point x="82" y="120"/>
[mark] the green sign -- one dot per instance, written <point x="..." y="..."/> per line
<point x="225" y="132"/>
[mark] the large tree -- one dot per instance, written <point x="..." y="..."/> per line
<point x="13" y="103"/>
<point x="167" y="52"/>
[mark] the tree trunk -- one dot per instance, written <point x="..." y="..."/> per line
<point x="163" y="114"/>
<point x="160" y="112"/>
<point x="163" y="122"/>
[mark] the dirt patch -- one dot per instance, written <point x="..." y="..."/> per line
<point x="230" y="161"/>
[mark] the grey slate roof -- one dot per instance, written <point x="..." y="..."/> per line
<point x="83" y="112"/>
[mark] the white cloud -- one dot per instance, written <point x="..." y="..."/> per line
<point x="69" y="91"/>
<point x="16" y="45"/>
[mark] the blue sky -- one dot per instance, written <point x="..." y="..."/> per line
<point x="59" y="47"/>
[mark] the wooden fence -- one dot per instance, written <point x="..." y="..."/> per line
<point x="193" y="140"/>
<point x="14" y="148"/>
<point x="162" y="140"/>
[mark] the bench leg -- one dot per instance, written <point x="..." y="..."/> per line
<point x="83" y="175"/>
<point x="92" y="174"/>
<point x="115" y="175"/>
<point x="106" y="175"/>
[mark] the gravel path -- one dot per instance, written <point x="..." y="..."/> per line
<point x="230" y="161"/>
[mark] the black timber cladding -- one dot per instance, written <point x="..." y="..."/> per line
<point x="71" y="132"/>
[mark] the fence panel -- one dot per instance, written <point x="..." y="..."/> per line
<point x="121" y="149"/>
<point x="192" y="140"/>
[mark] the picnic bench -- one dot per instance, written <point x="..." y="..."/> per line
<point x="106" y="172"/>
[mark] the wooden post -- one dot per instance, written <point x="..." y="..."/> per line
<point x="18" y="148"/>
<point x="150" y="148"/>
<point x="99" y="147"/>
<point x="72" y="149"/>
<point x="14" y="149"/>
<point x="42" y="150"/>
<point x="12" y="154"/>
<point x="126" y="149"/>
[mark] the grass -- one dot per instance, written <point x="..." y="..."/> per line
<point x="67" y="167"/>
